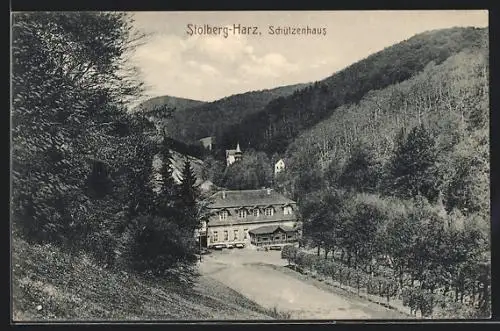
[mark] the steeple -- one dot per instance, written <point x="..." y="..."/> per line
<point x="237" y="153"/>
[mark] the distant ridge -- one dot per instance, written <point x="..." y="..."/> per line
<point x="176" y="103"/>
<point x="212" y="118"/>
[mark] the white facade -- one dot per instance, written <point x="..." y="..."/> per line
<point x="230" y="159"/>
<point x="279" y="166"/>
<point x="233" y="155"/>
<point x="223" y="234"/>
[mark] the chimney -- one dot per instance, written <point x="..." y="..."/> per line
<point x="268" y="191"/>
<point x="223" y="194"/>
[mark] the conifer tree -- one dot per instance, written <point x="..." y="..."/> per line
<point x="188" y="197"/>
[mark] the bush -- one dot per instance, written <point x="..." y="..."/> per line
<point x="389" y="288"/>
<point x="343" y="274"/>
<point x="359" y="278"/>
<point x="289" y="252"/>
<point x="418" y="299"/>
<point x="309" y="261"/>
<point x="426" y="303"/>
<point x="156" y="245"/>
<point x="299" y="259"/>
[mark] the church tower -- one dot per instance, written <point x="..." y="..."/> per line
<point x="238" y="154"/>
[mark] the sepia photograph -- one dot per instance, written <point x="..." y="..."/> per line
<point x="189" y="166"/>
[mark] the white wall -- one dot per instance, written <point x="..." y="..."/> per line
<point x="240" y="228"/>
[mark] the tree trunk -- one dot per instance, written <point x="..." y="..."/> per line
<point x="319" y="247"/>
<point x="326" y="253"/>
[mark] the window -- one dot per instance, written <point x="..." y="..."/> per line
<point x="287" y="210"/>
<point x="245" y="233"/>
<point x="226" y="235"/>
<point x="235" y="235"/>
<point x="223" y="215"/>
<point x="256" y="212"/>
<point x="269" y="211"/>
<point x="215" y="238"/>
<point x="242" y="213"/>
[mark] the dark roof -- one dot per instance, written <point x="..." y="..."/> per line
<point x="270" y="229"/>
<point x="249" y="198"/>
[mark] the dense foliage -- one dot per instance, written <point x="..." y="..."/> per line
<point x="81" y="164"/>
<point x="400" y="182"/>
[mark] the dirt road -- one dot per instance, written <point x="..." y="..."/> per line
<point x="246" y="272"/>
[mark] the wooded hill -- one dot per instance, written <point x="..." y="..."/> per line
<point x="169" y="102"/>
<point x="273" y="128"/>
<point x="403" y="174"/>
<point x="213" y="118"/>
<point x="449" y="99"/>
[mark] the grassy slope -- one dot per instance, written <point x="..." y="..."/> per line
<point x="75" y="288"/>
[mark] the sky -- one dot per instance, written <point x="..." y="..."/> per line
<point x="175" y="60"/>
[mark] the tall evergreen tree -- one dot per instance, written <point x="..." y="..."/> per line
<point x="188" y="197"/>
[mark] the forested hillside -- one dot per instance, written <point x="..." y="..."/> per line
<point x="169" y="102"/>
<point x="82" y="172"/>
<point x="397" y="186"/>
<point x="211" y="119"/>
<point x="274" y="128"/>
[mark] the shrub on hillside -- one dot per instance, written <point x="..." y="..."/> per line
<point x="389" y="288"/>
<point x="419" y="300"/>
<point x="156" y="245"/>
<point x="299" y="259"/>
<point x="289" y="253"/>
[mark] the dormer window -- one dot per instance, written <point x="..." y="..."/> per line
<point x="256" y="212"/>
<point x="242" y="213"/>
<point x="223" y="215"/>
<point x="269" y="211"/>
<point x="287" y="210"/>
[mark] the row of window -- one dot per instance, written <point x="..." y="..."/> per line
<point x="242" y="213"/>
<point x="215" y="235"/>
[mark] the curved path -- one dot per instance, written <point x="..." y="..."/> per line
<point x="245" y="272"/>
